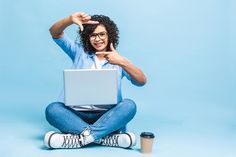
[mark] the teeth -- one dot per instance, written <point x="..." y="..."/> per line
<point x="98" y="44"/>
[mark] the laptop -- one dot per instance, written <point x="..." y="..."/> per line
<point x="90" y="87"/>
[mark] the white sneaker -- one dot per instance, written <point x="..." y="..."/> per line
<point x="124" y="140"/>
<point x="59" y="140"/>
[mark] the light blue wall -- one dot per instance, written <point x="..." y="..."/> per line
<point x="186" y="48"/>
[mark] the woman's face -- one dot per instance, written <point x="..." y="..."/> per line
<point x="99" y="38"/>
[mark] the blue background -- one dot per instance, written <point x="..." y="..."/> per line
<point x="185" y="47"/>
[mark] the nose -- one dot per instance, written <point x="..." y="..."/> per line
<point x="97" y="38"/>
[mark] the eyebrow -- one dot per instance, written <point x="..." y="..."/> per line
<point x="99" y="32"/>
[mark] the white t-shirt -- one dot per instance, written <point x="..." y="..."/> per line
<point x="97" y="63"/>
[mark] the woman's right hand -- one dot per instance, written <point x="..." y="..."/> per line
<point x="81" y="18"/>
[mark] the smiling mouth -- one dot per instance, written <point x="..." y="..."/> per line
<point x="98" y="44"/>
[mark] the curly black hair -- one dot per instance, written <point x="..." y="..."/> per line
<point x="112" y="32"/>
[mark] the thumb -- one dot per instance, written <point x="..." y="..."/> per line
<point x="79" y="24"/>
<point x="112" y="47"/>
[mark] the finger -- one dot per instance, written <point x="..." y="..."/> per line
<point x="80" y="25"/>
<point x="91" y="22"/>
<point x="112" y="47"/>
<point x="87" y="17"/>
<point x="82" y="14"/>
<point x="102" y="53"/>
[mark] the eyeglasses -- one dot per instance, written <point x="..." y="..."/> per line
<point x="101" y="35"/>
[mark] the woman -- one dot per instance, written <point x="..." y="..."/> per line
<point x="100" y="124"/>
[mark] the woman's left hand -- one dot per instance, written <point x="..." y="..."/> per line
<point x="113" y="57"/>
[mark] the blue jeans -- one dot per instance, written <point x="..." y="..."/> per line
<point x="100" y="123"/>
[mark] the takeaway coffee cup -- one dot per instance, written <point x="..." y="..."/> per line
<point x="147" y="139"/>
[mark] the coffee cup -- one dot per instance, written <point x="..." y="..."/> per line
<point x="147" y="139"/>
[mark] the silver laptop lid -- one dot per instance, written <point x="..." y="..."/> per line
<point x="90" y="87"/>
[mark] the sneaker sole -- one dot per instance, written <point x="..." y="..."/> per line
<point x="132" y="139"/>
<point x="47" y="138"/>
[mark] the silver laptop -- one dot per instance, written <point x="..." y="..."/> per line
<point x="90" y="87"/>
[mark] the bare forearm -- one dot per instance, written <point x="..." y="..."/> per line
<point x="57" y="28"/>
<point x="135" y="73"/>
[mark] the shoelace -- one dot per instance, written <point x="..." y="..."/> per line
<point x="72" y="141"/>
<point x="110" y="141"/>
